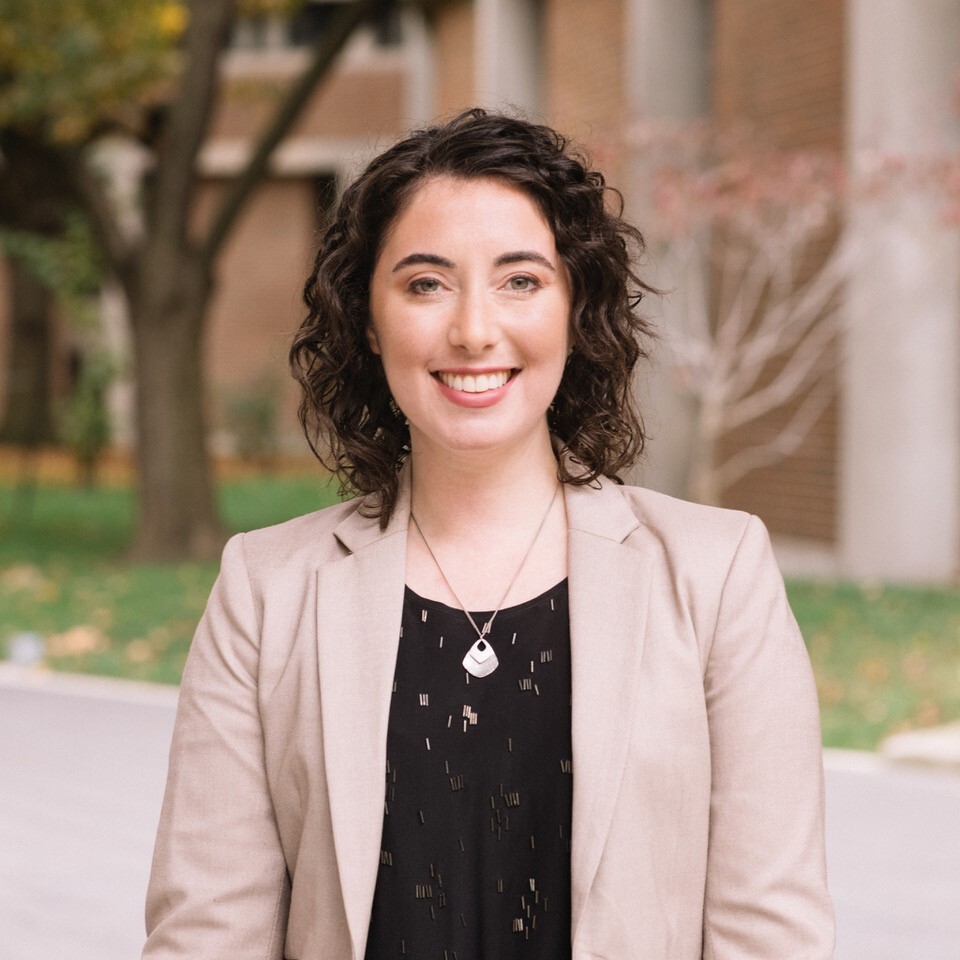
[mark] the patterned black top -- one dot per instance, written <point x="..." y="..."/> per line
<point x="475" y="858"/>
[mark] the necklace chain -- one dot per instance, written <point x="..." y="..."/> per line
<point x="488" y="626"/>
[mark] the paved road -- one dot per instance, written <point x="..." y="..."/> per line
<point x="81" y="780"/>
<point x="893" y="849"/>
<point x="82" y="765"/>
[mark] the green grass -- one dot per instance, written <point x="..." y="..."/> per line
<point x="886" y="658"/>
<point x="63" y="574"/>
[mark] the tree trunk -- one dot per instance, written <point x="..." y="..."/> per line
<point x="177" y="515"/>
<point x="702" y="485"/>
<point x="28" y="417"/>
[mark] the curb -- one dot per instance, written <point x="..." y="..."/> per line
<point x="935" y="747"/>
<point x="42" y="680"/>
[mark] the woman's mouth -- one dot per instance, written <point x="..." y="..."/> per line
<point x="474" y="382"/>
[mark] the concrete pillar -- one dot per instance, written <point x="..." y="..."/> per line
<point x="508" y="54"/>
<point x="900" y="426"/>
<point x="667" y="69"/>
<point x="420" y="67"/>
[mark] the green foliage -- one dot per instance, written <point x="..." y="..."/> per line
<point x="250" y="414"/>
<point x="86" y="420"/>
<point x="886" y="658"/>
<point x="69" y="265"/>
<point x="63" y="574"/>
<point x="70" y="66"/>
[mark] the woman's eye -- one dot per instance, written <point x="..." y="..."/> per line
<point x="425" y="285"/>
<point x="522" y="283"/>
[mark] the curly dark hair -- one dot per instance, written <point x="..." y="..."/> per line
<point x="348" y="415"/>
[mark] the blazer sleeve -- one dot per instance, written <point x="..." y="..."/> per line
<point x="219" y="885"/>
<point x="766" y="893"/>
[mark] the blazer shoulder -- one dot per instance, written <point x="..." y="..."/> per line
<point x="696" y="540"/>
<point x="671" y="520"/>
<point x="302" y="542"/>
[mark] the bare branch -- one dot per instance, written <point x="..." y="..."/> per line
<point x="787" y="441"/>
<point x="802" y="367"/>
<point x="188" y="118"/>
<point x="349" y="17"/>
<point x="785" y="320"/>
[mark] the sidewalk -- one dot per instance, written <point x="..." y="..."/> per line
<point x="83" y="763"/>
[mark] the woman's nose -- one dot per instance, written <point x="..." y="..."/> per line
<point x="474" y="326"/>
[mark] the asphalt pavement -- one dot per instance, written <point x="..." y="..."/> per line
<point x="83" y="761"/>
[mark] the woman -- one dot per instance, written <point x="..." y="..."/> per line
<point x="499" y="705"/>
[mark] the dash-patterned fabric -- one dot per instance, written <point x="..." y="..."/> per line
<point x="475" y="857"/>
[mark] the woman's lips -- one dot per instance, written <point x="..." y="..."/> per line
<point x="474" y="389"/>
<point x="474" y="382"/>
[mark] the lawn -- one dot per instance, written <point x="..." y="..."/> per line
<point x="885" y="658"/>
<point x="63" y="573"/>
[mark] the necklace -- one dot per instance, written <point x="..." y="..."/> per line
<point x="481" y="660"/>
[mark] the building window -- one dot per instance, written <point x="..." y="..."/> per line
<point x="306" y="27"/>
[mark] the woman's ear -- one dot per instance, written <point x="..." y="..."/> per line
<point x="372" y="339"/>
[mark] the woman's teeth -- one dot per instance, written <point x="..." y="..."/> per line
<point x="479" y="383"/>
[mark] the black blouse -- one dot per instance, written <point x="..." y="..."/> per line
<point x="475" y="856"/>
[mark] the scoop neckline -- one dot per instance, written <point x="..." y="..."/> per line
<point x="410" y="596"/>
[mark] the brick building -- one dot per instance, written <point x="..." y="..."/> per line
<point x="874" y="489"/>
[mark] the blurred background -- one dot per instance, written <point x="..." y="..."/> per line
<point x="165" y="170"/>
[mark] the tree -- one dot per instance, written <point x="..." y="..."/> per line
<point x="35" y="199"/>
<point x="756" y="244"/>
<point x="753" y="240"/>
<point x="74" y="70"/>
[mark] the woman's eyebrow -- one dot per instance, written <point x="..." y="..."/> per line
<point x="434" y="259"/>
<point x="523" y="256"/>
<point x="416" y="258"/>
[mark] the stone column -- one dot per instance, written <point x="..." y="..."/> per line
<point x="667" y="79"/>
<point x="900" y="400"/>
<point x="508" y="54"/>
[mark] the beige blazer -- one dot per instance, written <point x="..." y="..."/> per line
<point x="698" y="790"/>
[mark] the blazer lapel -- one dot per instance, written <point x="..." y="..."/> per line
<point x="609" y="584"/>
<point x="359" y="609"/>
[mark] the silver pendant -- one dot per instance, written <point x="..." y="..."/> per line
<point x="480" y="660"/>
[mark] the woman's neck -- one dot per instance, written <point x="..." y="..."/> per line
<point x="491" y="491"/>
<point x="482" y="516"/>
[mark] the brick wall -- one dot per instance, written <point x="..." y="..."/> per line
<point x="778" y="65"/>
<point x="453" y="38"/>
<point x="257" y="305"/>
<point x="584" y="93"/>
<point x="355" y="103"/>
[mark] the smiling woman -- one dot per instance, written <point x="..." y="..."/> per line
<point x="388" y="702"/>
<point x="473" y="335"/>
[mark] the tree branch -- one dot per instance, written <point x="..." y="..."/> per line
<point x="802" y="367"/>
<point x="116" y="248"/>
<point x="786" y="442"/>
<point x="349" y="17"/>
<point x="188" y="118"/>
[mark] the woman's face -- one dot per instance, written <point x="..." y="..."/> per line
<point x="470" y="314"/>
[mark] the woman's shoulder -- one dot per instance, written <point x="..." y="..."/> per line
<point x="301" y="542"/>
<point x="693" y="532"/>
<point x="669" y="515"/>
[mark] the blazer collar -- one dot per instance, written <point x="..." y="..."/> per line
<point x="609" y="582"/>
<point x="360" y="602"/>
<point x="358" y="529"/>
<point x="597" y="508"/>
